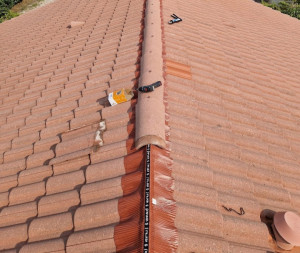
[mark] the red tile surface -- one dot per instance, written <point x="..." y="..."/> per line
<point x="53" y="89"/>
<point x="34" y="175"/>
<point x="18" y="214"/>
<point x="229" y="124"/>
<point x="56" y="245"/>
<point x="26" y="193"/>
<point x="232" y="109"/>
<point x="13" y="235"/>
<point x="50" y="227"/>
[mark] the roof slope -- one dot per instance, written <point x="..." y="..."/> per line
<point x="234" y="116"/>
<point x="57" y="191"/>
<point x="233" y="139"/>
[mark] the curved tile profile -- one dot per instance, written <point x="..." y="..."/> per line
<point x="150" y="118"/>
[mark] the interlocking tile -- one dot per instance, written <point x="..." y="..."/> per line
<point x="39" y="159"/>
<point x="54" y="130"/>
<point x="3" y="199"/>
<point x="71" y="165"/>
<point x="50" y="227"/>
<point x="13" y="235"/>
<point x="65" y="182"/>
<point x="34" y="175"/>
<point x="96" y="215"/>
<point x="18" y="153"/>
<point x="26" y="193"/>
<point x="75" y="144"/>
<point x="97" y="239"/>
<point x="12" y="168"/>
<point x="101" y="191"/>
<point x="45" y="144"/>
<point x="55" y="245"/>
<point x="6" y="183"/>
<point x="17" y="214"/>
<point x="58" y="203"/>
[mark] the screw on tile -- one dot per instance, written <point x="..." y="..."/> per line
<point x="175" y="20"/>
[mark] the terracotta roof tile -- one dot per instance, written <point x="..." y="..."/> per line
<point x="3" y="199"/>
<point x="10" y="251"/>
<point x="54" y="130"/>
<point x="58" y="203"/>
<point x="6" y="183"/>
<point x="96" y="215"/>
<point x="231" y="122"/>
<point x="39" y="159"/>
<point x="50" y="227"/>
<point x="71" y="165"/>
<point x="45" y="144"/>
<point x="26" y="193"/>
<point x="12" y="168"/>
<point x="99" y="239"/>
<point x="199" y="220"/>
<point x="59" y="119"/>
<point x="18" y="214"/>
<point x="64" y="182"/>
<point x="34" y="175"/>
<point x="13" y="235"/>
<point x="245" y="105"/>
<point x="29" y="128"/>
<point x="75" y="144"/>
<point x="56" y="245"/>
<point x="101" y="191"/>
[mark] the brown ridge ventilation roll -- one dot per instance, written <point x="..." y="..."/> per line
<point x="163" y="233"/>
<point x="287" y="229"/>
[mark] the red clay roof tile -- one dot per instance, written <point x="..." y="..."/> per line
<point x="99" y="239"/>
<point x="101" y="191"/>
<point x="55" y="245"/>
<point x="50" y="227"/>
<point x="71" y="165"/>
<point x="54" y="130"/>
<point x="96" y="215"/>
<point x="65" y="182"/>
<point x="39" y="159"/>
<point x="3" y="199"/>
<point x="232" y="110"/>
<point x="13" y="236"/>
<point x="45" y="144"/>
<point x="12" y="168"/>
<point x="6" y="183"/>
<point x="34" y="175"/>
<point x="58" y="203"/>
<point x="26" y="193"/>
<point x="18" y="214"/>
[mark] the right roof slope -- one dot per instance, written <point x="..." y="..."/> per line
<point x="232" y="74"/>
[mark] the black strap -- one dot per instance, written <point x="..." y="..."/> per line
<point x="149" y="88"/>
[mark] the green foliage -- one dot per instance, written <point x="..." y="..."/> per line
<point x="8" y="15"/>
<point x="292" y="9"/>
<point x="5" y="12"/>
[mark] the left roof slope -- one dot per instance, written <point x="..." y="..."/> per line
<point x="56" y="191"/>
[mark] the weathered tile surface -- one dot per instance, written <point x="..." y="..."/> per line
<point x="54" y="83"/>
<point x="233" y="106"/>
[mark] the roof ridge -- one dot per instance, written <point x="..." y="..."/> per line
<point x="150" y="108"/>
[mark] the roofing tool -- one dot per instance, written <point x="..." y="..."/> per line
<point x="149" y="88"/>
<point x="175" y="20"/>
